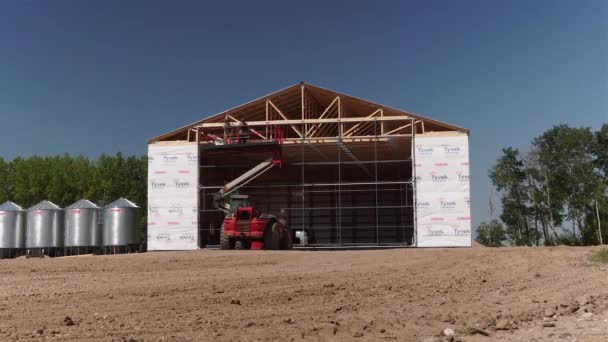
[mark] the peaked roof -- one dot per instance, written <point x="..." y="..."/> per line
<point x="288" y="99"/>
<point x="10" y="206"/>
<point x="45" y="205"/>
<point x="121" y="203"/>
<point x="82" y="204"/>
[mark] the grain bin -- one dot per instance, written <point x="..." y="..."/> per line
<point x="44" y="229"/>
<point x="120" y="233"/>
<point x="82" y="227"/>
<point x="12" y="230"/>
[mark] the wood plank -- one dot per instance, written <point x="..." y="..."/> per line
<point x="285" y="118"/>
<point x="322" y="116"/>
<point x="311" y="121"/>
<point x="357" y="125"/>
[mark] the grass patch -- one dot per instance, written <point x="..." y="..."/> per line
<point x="601" y="256"/>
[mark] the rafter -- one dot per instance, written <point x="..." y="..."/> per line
<point x="324" y="130"/>
<point x="325" y="112"/>
<point x="250" y="129"/>
<point x="302" y="101"/>
<point x="353" y="129"/>
<point x="310" y="108"/>
<point x="285" y="118"/>
<point x="400" y="128"/>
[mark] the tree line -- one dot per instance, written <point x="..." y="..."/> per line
<point x="66" y="179"/>
<point x="555" y="193"/>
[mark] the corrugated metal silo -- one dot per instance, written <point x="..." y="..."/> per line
<point x="120" y="225"/>
<point x="12" y="229"/>
<point x="45" y="228"/>
<point x="82" y="228"/>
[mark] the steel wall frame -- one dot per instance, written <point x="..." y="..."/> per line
<point x="405" y="187"/>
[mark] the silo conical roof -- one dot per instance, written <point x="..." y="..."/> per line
<point x="10" y="206"/>
<point x="45" y="205"/>
<point x="121" y="203"/>
<point x="82" y="204"/>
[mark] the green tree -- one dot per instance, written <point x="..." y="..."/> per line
<point x="549" y="194"/>
<point x="600" y="150"/>
<point x="106" y="185"/>
<point x="544" y="214"/>
<point x="30" y="180"/>
<point x="508" y="176"/>
<point x="491" y="234"/>
<point x="568" y="153"/>
<point x="5" y="188"/>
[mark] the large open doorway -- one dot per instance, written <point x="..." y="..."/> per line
<point x="341" y="192"/>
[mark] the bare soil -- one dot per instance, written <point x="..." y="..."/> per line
<point x="483" y="294"/>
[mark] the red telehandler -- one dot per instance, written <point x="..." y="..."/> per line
<point x="244" y="226"/>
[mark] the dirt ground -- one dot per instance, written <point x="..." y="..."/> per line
<point x="483" y="294"/>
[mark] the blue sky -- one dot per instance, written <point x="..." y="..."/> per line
<point x="87" y="77"/>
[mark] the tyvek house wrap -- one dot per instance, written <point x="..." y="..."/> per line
<point x="172" y="197"/>
<point x="443" y="212"/>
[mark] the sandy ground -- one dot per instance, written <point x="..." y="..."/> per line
<point x="483" y="294"/>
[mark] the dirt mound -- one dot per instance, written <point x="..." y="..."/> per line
<point x="478" y="245"/>
<point x="474" y="294"/>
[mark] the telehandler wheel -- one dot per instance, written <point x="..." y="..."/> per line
<point x="286" y="239"/>
<point x="272" y="236"/>
<point x="226" y="242"/>
<point x="240" y="244"/>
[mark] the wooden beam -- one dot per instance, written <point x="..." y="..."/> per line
<point x="195" y="133"/>
<point x="267" y="133"/>
<point x="326" y="129"/>
<point x="251" y="129"/>
<point x="328" y="140"/>
<point x="285" y="118"/>
<point x="310" y="121"/>
<point x="340" y="125"/>
<point x="368" y="138"/>
<point x="303" y="107"/>
<point x="359" y="124"/>
<point x="382" y="123"/>
<point x="369" y="128"/>
<point x="316" y="127"/>
<point x="302" y="100"/>
<point x="398" y="129"/>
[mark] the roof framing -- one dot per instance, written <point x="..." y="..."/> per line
<point x="308" y="111"/>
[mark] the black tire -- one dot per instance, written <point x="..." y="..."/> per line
<point x="241" y="244"/>
<point x="225" y="241"/>
<point x="286" y="239"/>
<point x="272" y="237"/>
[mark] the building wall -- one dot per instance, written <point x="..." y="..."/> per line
<point x="172" y="196"/>
<point x="443" y="191"/>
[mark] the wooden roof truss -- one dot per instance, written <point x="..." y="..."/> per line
<point x="310" y="113"/>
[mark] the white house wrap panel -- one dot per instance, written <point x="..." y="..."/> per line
<point x="443" y="212"/>
<point x="172" y="197"/>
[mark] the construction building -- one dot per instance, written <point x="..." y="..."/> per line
<point x="351" y="173"/>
